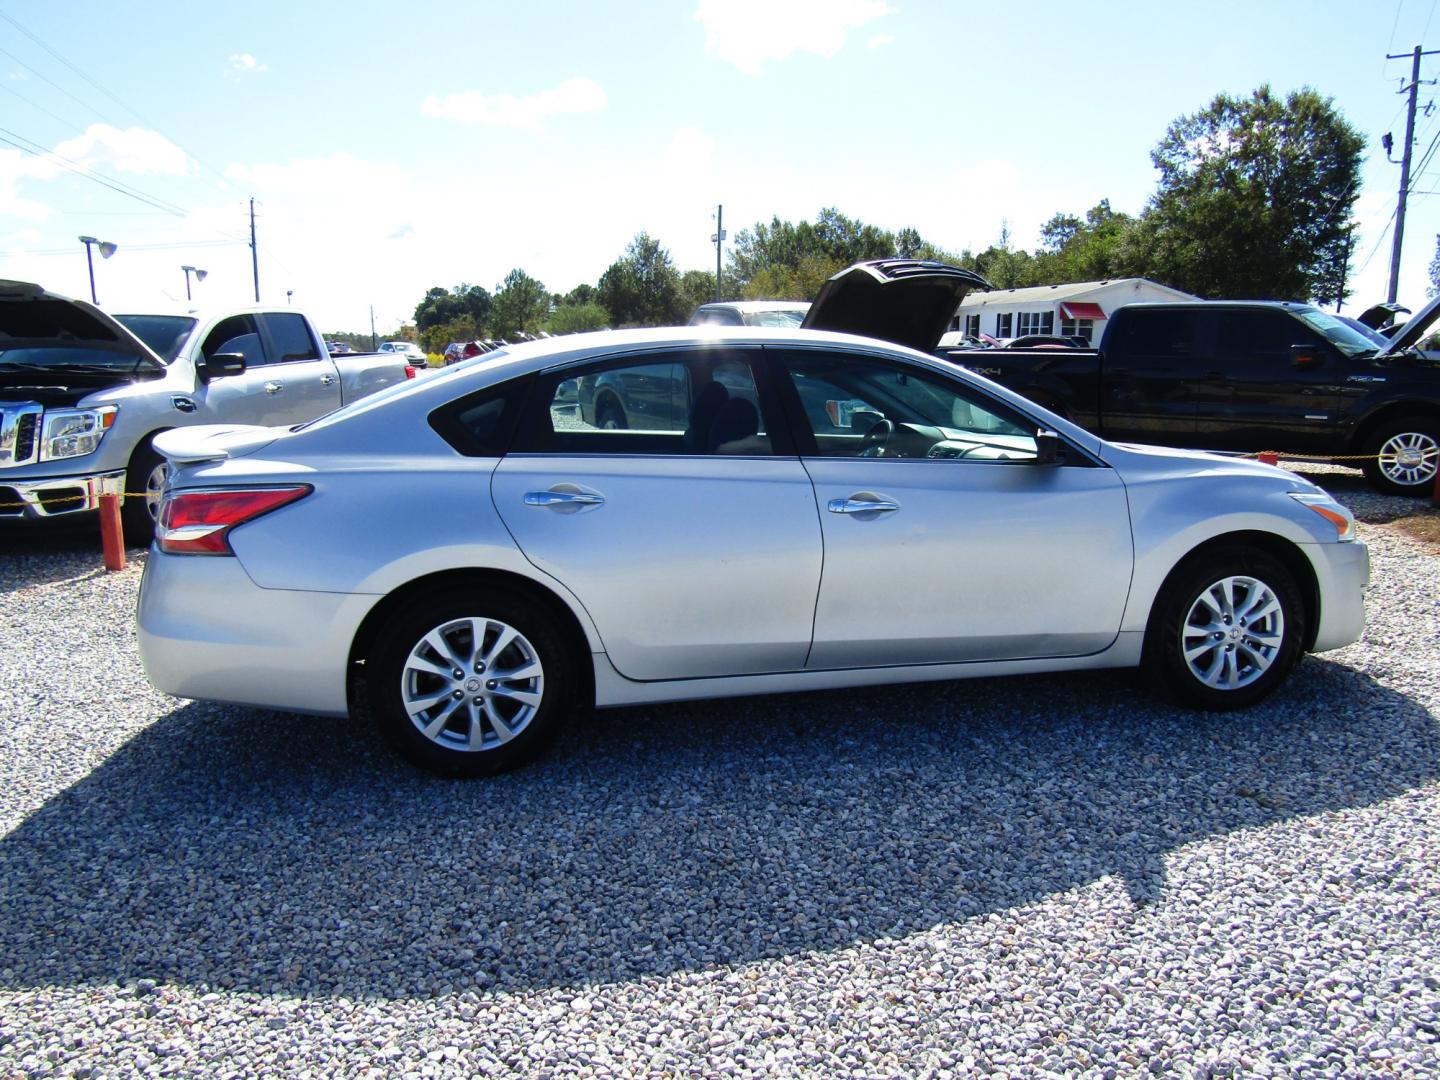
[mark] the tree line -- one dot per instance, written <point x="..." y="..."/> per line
<point x="1254" y="201"/>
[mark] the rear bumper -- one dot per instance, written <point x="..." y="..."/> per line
<point x="56" y="496"/>
<point x="1342" y="572"/>
<point x="207" y="631"/>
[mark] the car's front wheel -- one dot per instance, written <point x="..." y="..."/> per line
<point x="1226" y="629"/>
<point x="471" y="682"/>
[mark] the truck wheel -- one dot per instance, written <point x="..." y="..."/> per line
<point x="144" y="484"/>
<point x="1407" y="456"/>
<point x="471" y="682"/>
<point x="1225" y="630"/>
<point x="610" y="416"/>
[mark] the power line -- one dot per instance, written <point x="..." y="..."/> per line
<point x="80" y="170"/>
<point x="76" y="70"/>
<point x="179" y="245"/>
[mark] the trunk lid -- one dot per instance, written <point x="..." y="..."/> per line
<point x="1413" y="331"/>
<point x="907" y="301"/>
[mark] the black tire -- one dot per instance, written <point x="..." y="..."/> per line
<point x="398" y="681"/>
<point x="143" y="479"/>
<point x="1255" y="667"/>
<point x="610" y="416"/>
<point x="1408" y="455"/>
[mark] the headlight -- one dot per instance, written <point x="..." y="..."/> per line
<point x="1330" y="510"/>
<point x="75" y="432"/>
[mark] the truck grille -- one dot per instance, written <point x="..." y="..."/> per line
<point x="19" y="426"/>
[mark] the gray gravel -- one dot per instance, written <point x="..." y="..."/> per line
<point x="1030" y="877"/>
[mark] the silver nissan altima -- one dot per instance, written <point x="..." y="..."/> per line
<point x="642" y="516"/>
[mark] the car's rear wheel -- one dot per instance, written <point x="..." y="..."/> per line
<point x="1406" y="456"/>
<point x="471" y="682"/>
<point x="1226" y="629"/>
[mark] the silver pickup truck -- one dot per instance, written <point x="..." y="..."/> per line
<point x="83" y="393"/>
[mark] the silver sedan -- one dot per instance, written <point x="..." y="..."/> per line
<point x="761" y="511"/>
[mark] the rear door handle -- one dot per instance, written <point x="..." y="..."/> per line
<point x="274" y="387"/>
<point x="326" y="380"/>
<point x="563" y="498"/>
<point x="861" y="506"/>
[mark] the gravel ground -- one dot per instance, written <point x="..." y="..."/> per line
<point x="1030" y="877"/>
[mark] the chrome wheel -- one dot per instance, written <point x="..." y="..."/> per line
<point x="1232" y="633"/>
<point x="472" y="684"/>
<point x="154" y="489"/>
<point x="1409" y="458"/>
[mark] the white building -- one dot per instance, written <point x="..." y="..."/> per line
<point x="1075" y="310"/>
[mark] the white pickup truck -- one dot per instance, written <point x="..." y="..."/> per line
<point x="83" y="393"/>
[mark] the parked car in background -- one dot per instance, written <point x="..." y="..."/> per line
<point x="835" y="511"/>
<point x="407" y="349"/>
<point x="1246" y="376"/>
<point x="84" y="393"/>
<point x="338" y="348"/>
<point x="782" y="313"/>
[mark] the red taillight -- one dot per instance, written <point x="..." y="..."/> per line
<point x="409" y="371"/>
<point x="199" y="522"/>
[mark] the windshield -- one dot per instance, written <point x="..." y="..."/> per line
<point x="68" y="356"/>
<point x="165" y="334"/>
<point x="787" y="320"/>
<point x="1341" y="334"/>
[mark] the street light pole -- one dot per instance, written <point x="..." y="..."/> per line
<point x="106" y="250"/>
<point x="199" y="276"/>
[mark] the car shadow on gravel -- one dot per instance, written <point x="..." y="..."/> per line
<point x="45" y="552"/>
<point x="233" y="849"/>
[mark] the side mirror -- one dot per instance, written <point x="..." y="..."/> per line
<point x="220" y="365"/>
<point x="1048" y="447"/>
<point x="1305" y="356"/>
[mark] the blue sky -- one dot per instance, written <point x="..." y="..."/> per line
<point x="392" y="147"/>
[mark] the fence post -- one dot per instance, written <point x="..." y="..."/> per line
<point x="112" y="532"/>
<point x="1268" y="457"/>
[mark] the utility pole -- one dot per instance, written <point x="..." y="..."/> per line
<point x="374" y="341"/>
<point x="255" y="254"/>
<point x="718" y="239"/>
<point x="1414" y="90"/>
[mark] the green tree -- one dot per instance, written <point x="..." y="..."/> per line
<point x="642" y="288"/>
<point x="463" y="301"/>
<point x="1434" y="288"/>
<point x="521" y="305"/>
<point x="577" y="318"/>
<point x="1255" y="199"/>
<point x="696" y="287"/>
<point x="1088" y="249"/>
<point x="791" y="254"/>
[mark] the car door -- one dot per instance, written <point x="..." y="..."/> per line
<point x="1147" y="391"/>
<point x="945" y="539"/>
<point x="695" y="550"/>
<point x="299" y="381"/>
<point x="234" y="399"/>
<point x="1253" y="396"/>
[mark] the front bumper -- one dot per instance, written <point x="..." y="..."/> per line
<point x="1342" y="571"/>
<point x="56" y="496"/>
<point x="207" y="631"/>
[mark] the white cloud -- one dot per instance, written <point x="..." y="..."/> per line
<point x="245" y="64"/>
<point x="133" y="150"/>
<point x="747" y="32"/>
<point x="578" y="95"/>
<point x="879" y="41"/>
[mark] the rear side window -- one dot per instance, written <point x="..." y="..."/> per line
<point x="480" y="424"/>
<point x="290" y="338"/>
<point x="1161" y="335"/>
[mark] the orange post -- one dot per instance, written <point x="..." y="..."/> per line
<point x="1435" y="494"/>
<point x="112" y="533"/>
<point x="1268" y="457"/>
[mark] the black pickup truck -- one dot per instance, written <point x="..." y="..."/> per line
<point x="1244" y="376"/>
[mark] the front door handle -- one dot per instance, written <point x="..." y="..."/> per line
<point x="274" y="387"/>
<point x="563" y="498"/>
<point x="861" y="506"/>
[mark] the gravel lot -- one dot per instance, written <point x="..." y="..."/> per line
<point x="1028" y="877"/>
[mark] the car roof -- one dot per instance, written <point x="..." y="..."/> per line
<point x="757" y="305"/>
